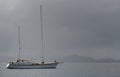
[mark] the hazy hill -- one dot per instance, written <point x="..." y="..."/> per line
<point x="77" y="58"/>
<point x="73" y="58"/>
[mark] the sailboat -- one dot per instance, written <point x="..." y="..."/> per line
<point x="27" y="64"/>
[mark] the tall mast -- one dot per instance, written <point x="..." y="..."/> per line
<point x="19" y="42"/>
<point x="42" y="33"/>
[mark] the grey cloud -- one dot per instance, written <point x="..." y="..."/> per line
<point x="82" y="26"/>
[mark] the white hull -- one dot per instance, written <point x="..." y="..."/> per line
<point x="38" y="66"/>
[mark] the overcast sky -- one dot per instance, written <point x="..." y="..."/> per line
<point x="84" y="27"/>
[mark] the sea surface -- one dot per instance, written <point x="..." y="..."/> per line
<point x="66" y="70"/>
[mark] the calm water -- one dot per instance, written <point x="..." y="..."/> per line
<point x="66" y="70"/>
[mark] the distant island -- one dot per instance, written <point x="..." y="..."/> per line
<point x="84" y="59"/>
<point x="75" y="59"/>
